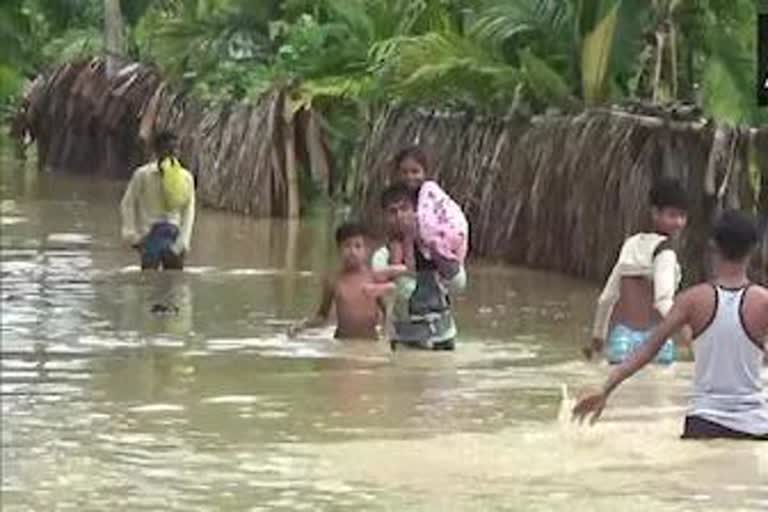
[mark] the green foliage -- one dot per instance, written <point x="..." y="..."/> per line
<point x="726" y="64"/>
<point x="347" y="57"/>
<point x="71" y="44"/>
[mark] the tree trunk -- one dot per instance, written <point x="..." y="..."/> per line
<point x="291" y="169"/>
<point x="114" y="44"/>
<point x="114" y="41"/>
<point x="673" y="59"/>
<point x="657" y="73"/>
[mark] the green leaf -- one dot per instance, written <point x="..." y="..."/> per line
<point x="597" y="45"/>
<point x="10" y="83"/>
<point x="545" y="83"/>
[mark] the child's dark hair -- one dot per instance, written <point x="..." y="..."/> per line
<point x="398" y="192"/>
<point x="350" y="230"/>
<point x="735" y="235"/>
<point x="668" y="192"/>
<point x="417" y="153"/>
<point x="164" y="143"/>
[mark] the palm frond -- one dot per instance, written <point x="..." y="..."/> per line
<point x="545" y="84"/>
<point x="548" y="24"/>
<point x="435" y="64"/>
<point x="598" y="29"/>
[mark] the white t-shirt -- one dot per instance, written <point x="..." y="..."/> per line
<point x="639" y="258"/>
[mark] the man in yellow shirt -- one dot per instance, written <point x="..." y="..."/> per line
<point x="158" y="208"/>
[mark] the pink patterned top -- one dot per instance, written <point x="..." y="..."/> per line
<point x="442" y="224"/>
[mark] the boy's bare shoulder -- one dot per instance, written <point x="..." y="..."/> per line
<point x="695" y="292"/>
<point x="759" y="292"/>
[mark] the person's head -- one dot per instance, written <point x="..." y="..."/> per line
<point x="164" y="144"/>
<point x="411" y="166"/>
<point x="399" y="204"/>
<point x="735" y="236"/>
<point x="352" y="242"/>
<point x="669" y="206"/>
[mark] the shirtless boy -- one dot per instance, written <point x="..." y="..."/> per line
<point x="355" y="291"/>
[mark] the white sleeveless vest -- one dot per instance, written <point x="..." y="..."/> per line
<point x="727" y="370"/>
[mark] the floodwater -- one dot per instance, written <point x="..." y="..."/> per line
<point x="107" y="406"/>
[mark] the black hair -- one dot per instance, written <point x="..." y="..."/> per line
<point x="668" y="192"/>
<point x="350" y="230"/>
<point x="735" y="235"/>
<point x="398" y="192"/>
<point x="164" y="143"/>
<point x="417" y="153"/>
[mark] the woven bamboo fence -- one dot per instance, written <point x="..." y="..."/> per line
<point x="562" y="192"/>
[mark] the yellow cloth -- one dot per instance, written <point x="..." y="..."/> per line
<point x="176" y="187"/>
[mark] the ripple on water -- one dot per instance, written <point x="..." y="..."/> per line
<point x="157" y="408"/>
<point x="217" y="344"/>
<point x="108" y="342"/>
<point x="10" y="220"/>
<point x="233" y="399"/>
<point x="69" y="238"/>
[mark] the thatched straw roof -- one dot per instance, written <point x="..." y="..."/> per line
<point x="245" y="157"/>
<point x="561" y="193"/>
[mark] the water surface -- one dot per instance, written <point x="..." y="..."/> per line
<point x="108" y="406"/>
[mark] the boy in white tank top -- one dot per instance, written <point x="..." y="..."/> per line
<point x="729" y="317"/>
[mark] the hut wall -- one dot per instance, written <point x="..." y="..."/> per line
<point x="85" y="122"/>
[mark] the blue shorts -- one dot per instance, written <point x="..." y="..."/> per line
<point x="157" y="247"/>
<point x="623" y="340"/>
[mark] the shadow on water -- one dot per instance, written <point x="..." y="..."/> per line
<point x="180" y="391"/>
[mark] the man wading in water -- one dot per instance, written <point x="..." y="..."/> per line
<point x="642" y="285"/>
<point x="158" y="208"/>
<point x="422" y="316"/>
<point x="730" y="319"/>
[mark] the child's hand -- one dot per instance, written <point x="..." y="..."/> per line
<point x="137" y="243"/>
<point x="595" y="348"/>
<point x="389" y="273"/>
<point x="396" y="253"/>
<point x="376" y="290"/>
<point x="591" y="404"/>
<point x="396" y="270"/>
<point x="409" y="256"/>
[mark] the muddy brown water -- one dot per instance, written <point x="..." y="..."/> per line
<point x="108" y="406"/>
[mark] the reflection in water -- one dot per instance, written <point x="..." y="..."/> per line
<point x="203" y="404"/>
<point x="149" y="304"/>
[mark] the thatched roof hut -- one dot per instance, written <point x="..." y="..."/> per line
<point x="245" y="157"/>
<point x="562" y="192"/>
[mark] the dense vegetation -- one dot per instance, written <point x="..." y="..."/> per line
<point x="346" y="57"/>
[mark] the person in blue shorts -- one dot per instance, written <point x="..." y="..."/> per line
<point x="641" y="288"/>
